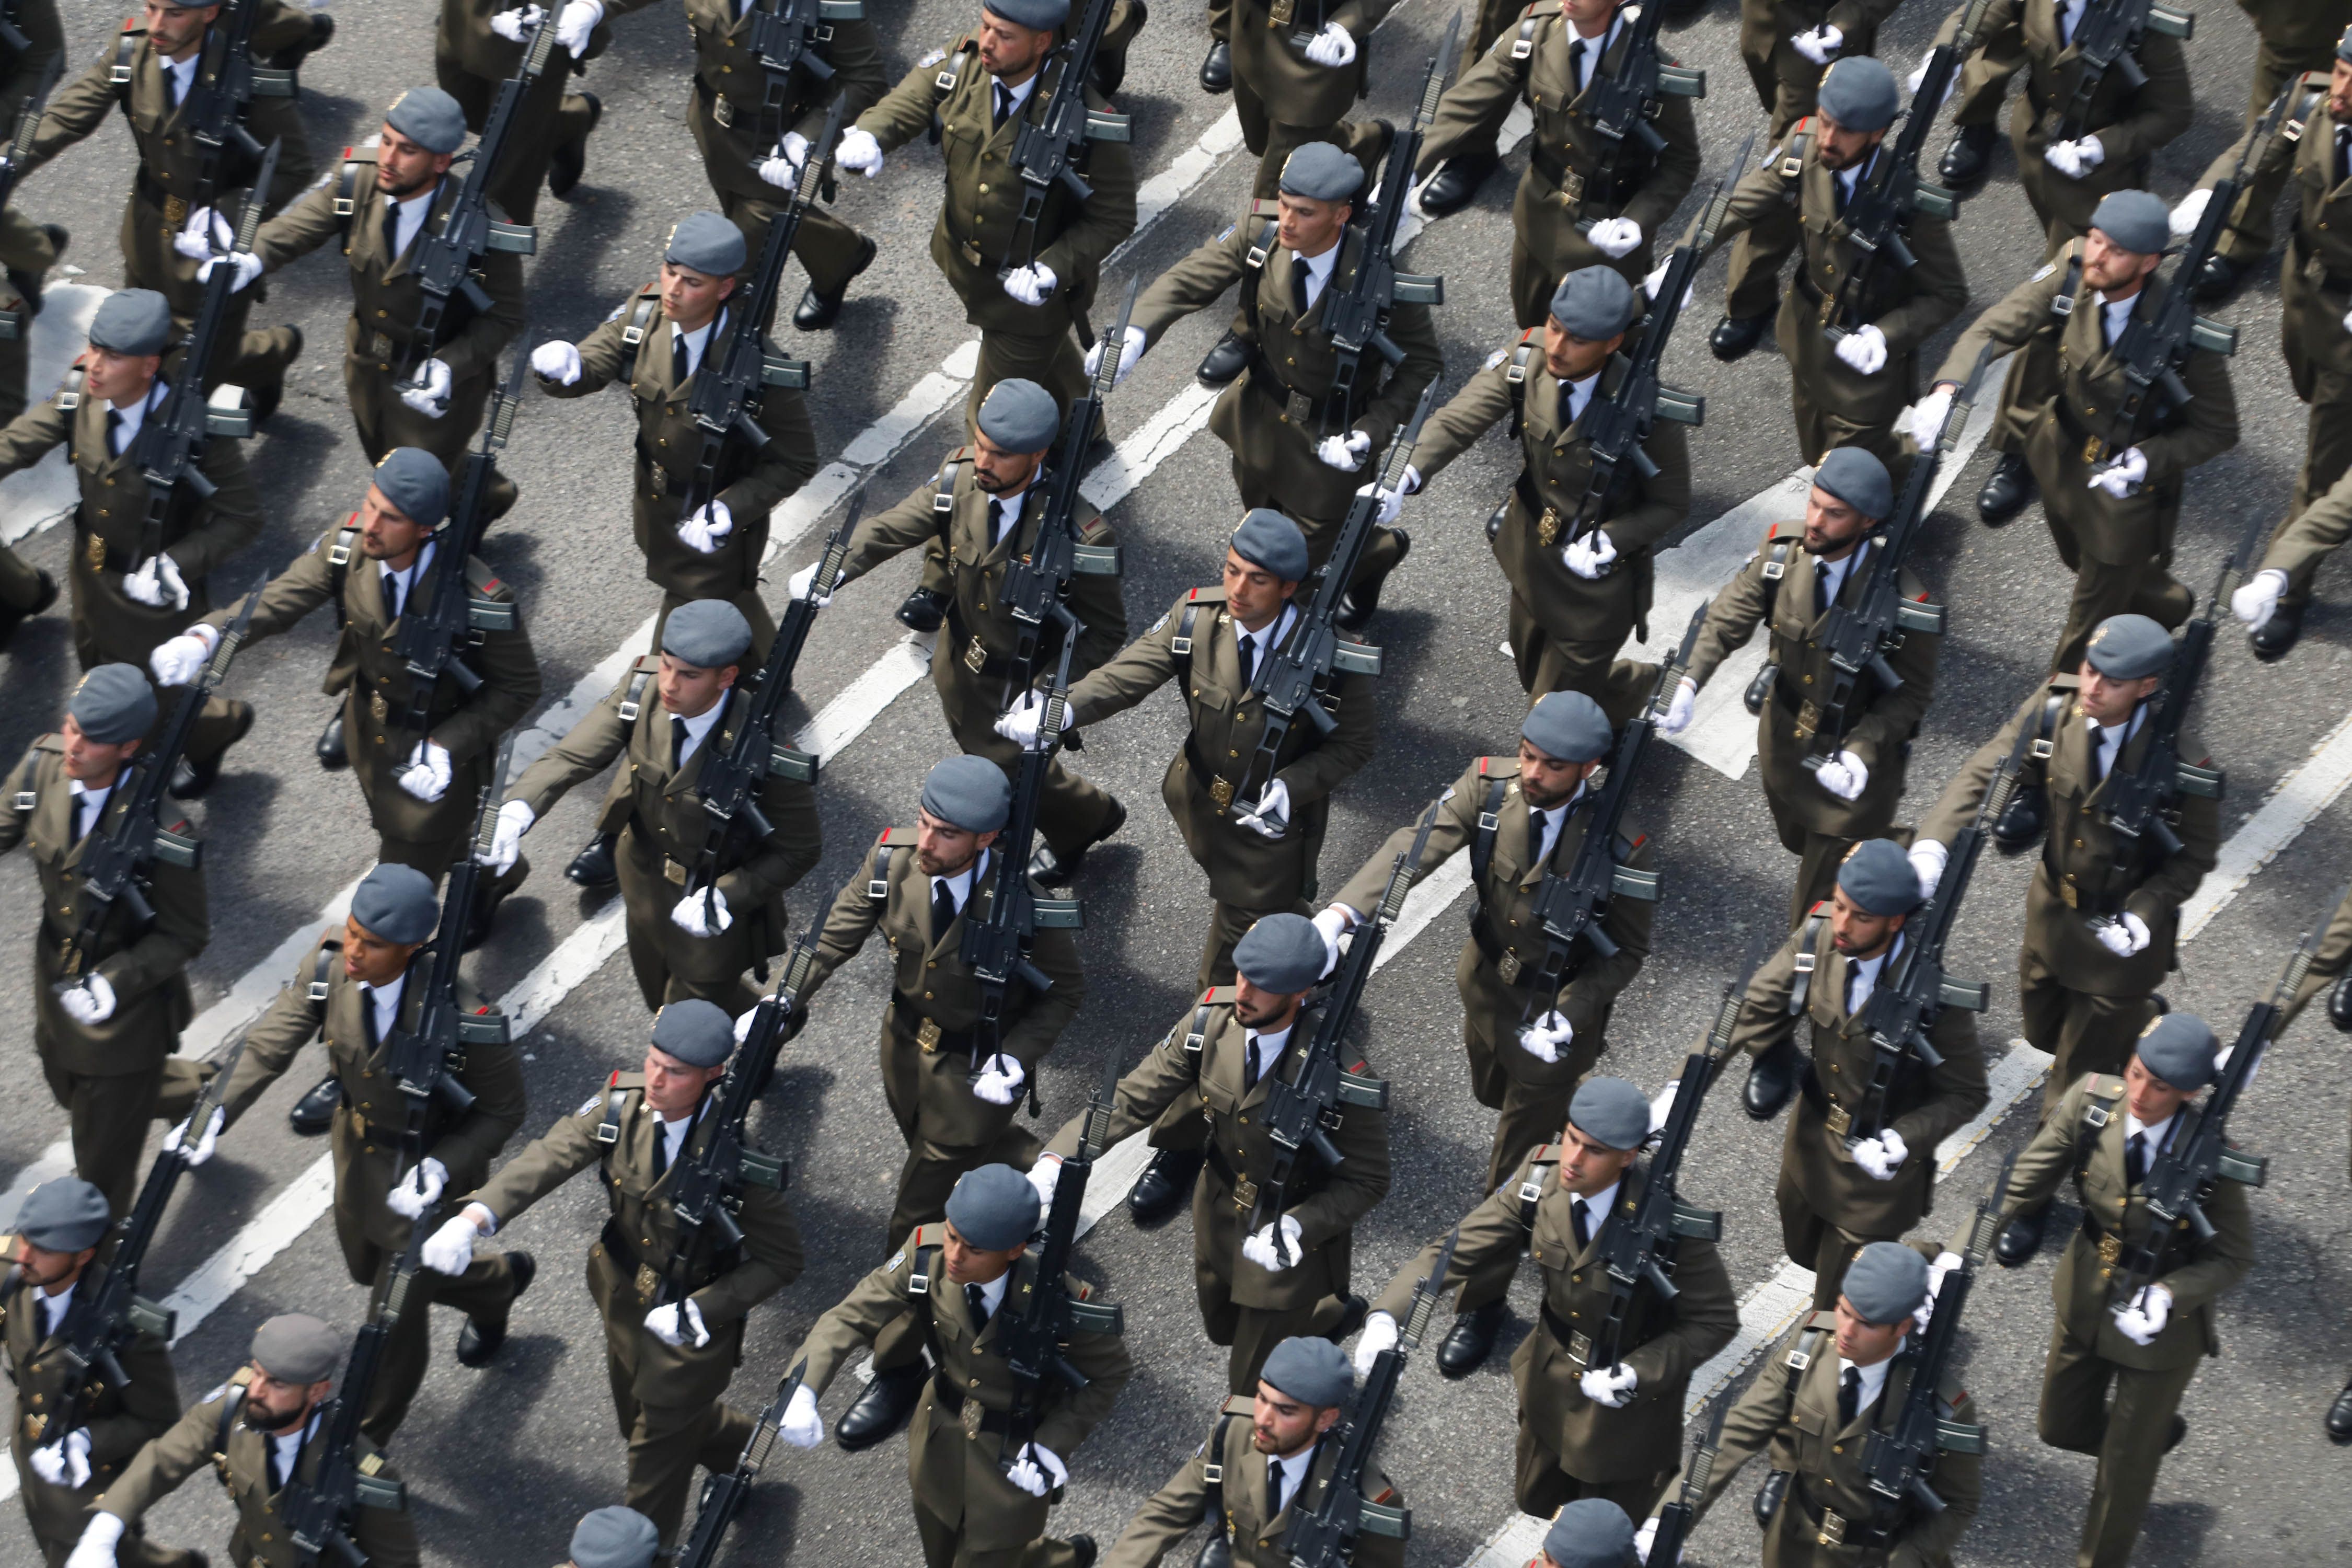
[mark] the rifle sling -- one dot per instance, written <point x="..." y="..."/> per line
<point x="1213" y="1501"/>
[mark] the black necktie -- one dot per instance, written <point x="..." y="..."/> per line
<point x="1003" y="102"/>
<point x="2136" y="1159"/>
<point x="679" y="365"/>
<point x="367" y="1017"/>
<point x="1849" y="1395"/>
<point x="1249" y="1063"/>
<point x="2343" y="155"/>
<point x="172" y="84"/>
<point x="1576" y="64"/>
<point x="661" y="1148"/>
<point x="1583" y="1228"/>
<point x="85" y="817"/>
<point x="1535" y="838"/>
<point x="943" y="908"/>
<point x="1275" y="1475"/>
<point x="47" y="1320"/>
<point x="114" y="432"/>
<point x="391" y="596"/>
<point x="976" y="1297"/>
<point x="277" y="1469"/>
<point x="996" y="520"/>
<point x="677" y="743"/>
<point x="1299" y="272"/>
<point x="1247" y="647"/>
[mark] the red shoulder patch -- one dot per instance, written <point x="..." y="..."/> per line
<point x="181" y="826"/>
<point x="1359" y="1066"/>
<point x="492" y="586"/>
<point x="1639" y="842"/>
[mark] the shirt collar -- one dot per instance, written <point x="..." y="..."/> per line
<point x="963" y="881"/>
<point x="58" y="1305"/>
<point x="385" y="1000"/>
<point x="699" y="727"/>
<point x="1270" y="635"/>
<point x="2153" y="1132"/>
<point x="407" y="575"/>
<point x="1596" y="49"/>
<point x="992" y="1293"/>
<point x="1835" y="571"/>
<point x="2112" y="736"/>
<point x="1597" y="1206"/>
<point x="1874" y="1381"/>
<point x="1293" y="1470"/>
<point x="1020" y="94"/>
<point x="1321" y="265"/>
<point x="136" y="415"/>
<point x="1269" y="1043"/>
<point x="1005" y="511"/>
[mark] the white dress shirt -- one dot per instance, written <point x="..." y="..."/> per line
<point x="1004" y="513"/>
<point x="1874" y="1382"/>
<point x="2151" y="1136"/>
<point x="1551" y="818"/>
<point x="1318" y="270"/>
<point x="53" y="1312"/>
<point x="122" y="424"/>
<point x="1862" y="976"/>
<point x="1595" y="50"/>
<point x="1831" y="575"/>
<point x="1285" y="1474"/>
<point x="285" y="1450"/>
<point x="1264" y="1050"/>
<point x="2108" y="740"/>
<point x="673" y="1133"/>
<point x="1848" y="179"/>
<point x="178" y="74"/>
<point x="1019" y="96"/>
<point x="384" y="1002"/>
<point x="1253" y="646"/>
<point x="1596" y="1210"/>
<point x="404" y="579"/>
<point x="2115" y="315"/>
<point x="992" y="1295"/>
<point x="695" y="342"/>
<point x="960" y="885"/>
<point x="1575" y="395"/>
<point x="698" y="727"/>
<point x="2070" y="16"/>
<point x="88" y="805"/>
<point x="408" y="216"/>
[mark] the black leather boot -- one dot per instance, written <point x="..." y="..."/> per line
<point x="1363" y="600"/>
<point x="1734" y="336"/>
<point x="2273" y="637"/>
<point x="882" y="1409"/>
<point x="1451" y="187"/>
<point x="2217" y="279"/>
<point x="1769" y="1495"/>
<point x="1471" y="1339"/>
<point x="1226" y="360"/>
<point x="43" y="596"/>
<point x="593" y="867"/>
<point x="2339" y="1417"/>
<point x="924" y="610"/>
<point x="819" y="309"/>
<point x="1771" y="1079"/>
<point x="1217" y="68"/>
<point x="1165" y="1186"/>
<point x="1048" y="867"/>
<point x="329" y="748"/>
<point x="569" y="159"/>
<point x="2019" y="826"/>
<point x="2006" y="489"/>
<point x="1969" y="156"/>
<point x="2020" y="1239"/>
<point x="478" y="1341"/>
<point x="315" y="1111"/>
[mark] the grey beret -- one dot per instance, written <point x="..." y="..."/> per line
<point x="2344" y="46"/>
<point x="970" y="793"/>
<point x="1886" y="1282"/>
<point x="1568" y="727"/>
<point x="1312" y="1370"/>
<point x="2179" y="1048"/>
<point x="295" y="1347"/>
<point x="1610" y="1111"/>
<point x="1591" y="1532"/>
<point x="1268" y="538"/>
<point x="132" y="321"/>
<point x="1019" y="416"/>
<point x="397" y="903"/>
<point x="1879" y="877"/>
<point x="2136" y="220"/>
<point x="1594" y="303"/>
<point x="1857" y="479"/>
<point x="993" y="1207"/>
<point x="708" y="634"/>
<point x="412" y="479"/>
<point x="1322" y="173"/>
<point x="1282" y="954"/>
<point x="63" y="1215"/>
<point x="114" y="703"/>
<point x="1037" y="15"/>
<point x="706" y="243"/>
<point x="428" y="117"/>
<point x="2129" y="647"/>
<point x="1859" y="93"/>
<point x="696" y="1032"/>
<point x="615" y="1538"/>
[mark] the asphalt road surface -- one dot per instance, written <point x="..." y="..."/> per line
<point x="501" y="1462"/>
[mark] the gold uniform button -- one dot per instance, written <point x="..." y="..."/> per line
<point x="983" y="187"/>
<point x="1837" y="1447"/>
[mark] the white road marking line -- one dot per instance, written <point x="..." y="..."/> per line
<point x="33" y="499"/>
<point x="2303" y="794"/>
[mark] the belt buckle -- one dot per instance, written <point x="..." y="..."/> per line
<point x="2068" y="896"/>
<point x="1580" y="1349"/>
<point x="1246" y="1194"/>
<point x="1298" y="408"/>
<point x="1829" y="309"/>
<point x="94" y="552"/>
<point x="970" y="252"/>
<point x="927" y="1034"/>
<point x="975" y="658"/>
<point x="1279" y="14"/>
<point x="1571" y="187"/>
<point x="2111" y="1248"/>
<point x="647" y="1282"/>
<point x="1838" y="1118"/>
<point x="1548" y="527"/>
<point x="2092" y="448"/>
<point x="673" y="872"/>
<point x="722" y="111"/>
<point x="972" y="1415"/>
<point x="34" y="1426"/>
<point x="380" y="346"/>
<point x="1508" y="967"/>
<point x="377" y="708"/>
<point x="1832" y="1527"/>
<point x="1221" y="790"/>
<point x="175" y="212"/>
<point x="1809" y="718"/>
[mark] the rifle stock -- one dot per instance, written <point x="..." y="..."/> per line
<point x="724" y="1496"/>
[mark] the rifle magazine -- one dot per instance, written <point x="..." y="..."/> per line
<point x="1696" y="1224"/>
<point x="377" y="1492"/>
<point x="229" y="412"/>
<point x="1355" y="659"/>
<point x="488" y="614"/>
<point x="800" y="767"/>
<point x="1364" y="1091"/>
<point x="1681" y="407"/>
<point x="2214" y="337"/>
<point x="1096" y="560"/>
<point x="483" y="1029"/>
<point x="2167" y="22"/>
<point x="270" y="82"/>
<point x="512" y="238"/>
<point x="1106" y="127"/>
<point x="1385" y="1519"/>
<point x="1912" y="616"/>
<point x="759" y="1169"/>
<point x="2247" y="1169"/>
<point x="1935" y="201"/>
<point x="178" y="849"/>
<point x="781" y="371"/>
<point x="148" y="1317"/>
<point x="1096" y="1317"/>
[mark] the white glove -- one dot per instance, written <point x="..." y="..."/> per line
<point x="1918" y="78"/>
<point x="1333" y="46"/>
<point x="578" y="20"/>
<point x="2122" y="476"/>
<point x="432" y="399"/>
<point x="66" y="1462"/>
<point x="1843" y="775"/>
<point x="1259" y="1249"/>
<point x="1045" y="1175"/>
<point x="1945" y="1263"/>
<point x="1331" y="925"/>
<point x="450" y="1249"/>
<point x="247" y="265"/>
<point x="1821" y="45"/>
<point x="1610" y="1386"/>
<point x="1020" y="722"/>
<point x="1923" y="420"/>
<point x="2190" y="212"/>
<point x="1644" y="1538"/>
<point x="1345" y="453"/>
<point x="689" y="916"/>
<point x="2124" y="936"/>
<point x="2221" y="1065"/>
<point x="1392" y="502"/>
<point x="419" y="1190"/>
<point x="707" y="528"/>
<point x="158" y="582"/>
<point x="178" y="661"/>
<point x="99" y="1538"/>
<point x="177" y="1138"/>
<point x="556" y="360"/>
<point x="1880" y="1158"/>
<point x="1272" y="817"/>
<point x="427" y="774"/>
<point x="1000" y="1082"/>
<point x="1543" y="1038"/>
<point x="512" y="24"/>
<point x="1929" y="859"/>
<point x="2075" y="159"/>
<point x="2348" y="320"/>
<point x="1131" y="351"/>
<point x="1615" y="237"/>
<point x="2258" y="597"/>
<point x="783" y="167"/>
<point x="802" y="1426"/>
<point x="1038" y="1470"/>
<point x="1664" y="1106"/>
<point x="205" y="235"/>
<point x="1380" y="1335"/>
<point x="91" y="1001"/>
<point x="2145" y="1316"/>
<point x="1657" y="280"/>
<point x="677" y="1323"/>
<point x="1591" y="557"/>
<point x="800" y="586"/>
<point x="858" y="152"/>
<point x="1033" y="284"/>
<point x="515" y="819"/>
<point x="1678" y="711"/>
<point x="1865" y="349"/>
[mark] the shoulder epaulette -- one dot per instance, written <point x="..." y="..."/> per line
<point x="1264" y="209"/>
<point x="1239" y="1405"/>
<point x="1215" y="596"/>
<point x="649" y="665"/>
<point x="898" y="837"/>
<point x="1218" y="996"/>
<point x="51" y="742"/>
<point x="484" y="578"/>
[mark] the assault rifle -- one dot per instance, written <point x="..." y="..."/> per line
<point x="13" y="43"/>
<point x="118" y="858"/>
<point x="1899" y="1459"/>
<point x="783" y="39"/>
<point x="1295" y="678"/>
<point x="170" y="446"/>
<point x="1621" y="105"/>
<point x="1051" y="150"/>
<point x="226" y="82"/>
<point x="446" y="256"/>
<point x="1675" y="1519"/>
<point x="723" y="1497"/>
<point x="1355" y="306"/>
<point x="318" y="1514"/>
<point x="432" y="641"/>
<point x="1325" y="1536"/>
<point x="2198" y="1153"/>
<point x="1302" y="1113"/>
<point x="424" y="1061"/>
<point x="20" y="145"/>
<point x="1031" y="1339"/>
<point x="2107" y="39"/>
<point x="1858" y="636"/>
<point x="1615" y="426"/>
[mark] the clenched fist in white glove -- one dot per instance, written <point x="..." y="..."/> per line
<point x="702" y="914"/>
<point x="247" y="266"/>
<point x="705" y="530"/>
<point x="1945" y="1263"/>
<point x="1331" y="924"/>
<point x="1333" y="46"/>
<point x="1863" y="349"/>
<point x="515" y="819"/>
<point x="858" y="152"/>
<point x="1929" y="859"/>
<point x="450" y="1249"/>
<point x="2258" y="597"/>
<point x="1662" y="1106"/>
<point x="2075" y="159"/>
<point x="1844" y="775"/>
<point x="158" y="582"/>
<point x="802" y="1426"/>
<point x="1045" y="1176"/>
<point x="2124" y="936"/>
<point x="99" y="1538"/>
<point x="802" y="584"/>
<point x="1591" y="557"/>
<point x="1038" y="1470"/>
<point x="1819" y="46"/>
<point x="1615" y="237"/>
<point x="91" y="1001"/>
<point x="556" y="360"/>
<point x="1657" y="280"/>
<point x="1880" y="1158"/>
<point x="432" y="398"/>
<point x="1610" y="1386"/>
<point x="1543" y="1038"/>
<point x="678" y="1323"/>
<point x="2144" y="1317"/>
<point x="1645" y="1538"/>
<point x="1918" y="78"/>
<point x="66" y="1462"/>
<point x="1923" y="420"/>
<point x="205" y="235"/>
<point x="783" y="167"/>
<point x="999" y="1082"/>
<point x="426" y="776"/>
<point x="175" y="1140"/>
<point x="2121" y="478"/>
<point x="178" y="661"/>
<point x="1259" y="1249"/>
<point x="513" y="24"/>
<point x="1345" y="453"/>
<point x="1131" y="350"/>
<point x="2188" y="212"/>
<point x="577" y="20"/>
<point x="419" y="1190"/>
<point x="1033" y="284"/>
<point x="1678" y="711"/>
<point x="1380" y="1335"/>
<point x="1019" y="724"/>
<point x="1389" y="503"/>
<point x="1272" y="817"/>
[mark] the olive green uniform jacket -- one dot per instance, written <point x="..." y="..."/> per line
<point x="1269" y="41"/>
<point x="728" y="108"/>
<point x="1786" y="80"/>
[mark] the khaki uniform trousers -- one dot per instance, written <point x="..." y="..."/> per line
<point x="1249" y="1333"/>
<point x="107" y="1117"/>
<point x="2084" y="1033"/>
<point x="548" y="117"/>
<point x="1812" y="1242"/>
<point x="944" y="1547"/>
<point x="484" y="1292"/>
<point x="2119" y="1415"/>
<point x="1543" y="1487"/>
